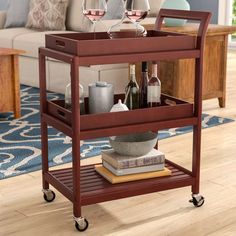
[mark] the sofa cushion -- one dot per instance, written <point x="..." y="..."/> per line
<point x="32" y="41"/>
<point x="155" y="6"/>
<point x="3" y="15"/>
<point x="47" y="14"/>
<point x="104" y="25"/>
<point x="17" y="13"/>
<point x="115" y="10"/>
<point x="75" y="20"/>
<point x="8" y="35"/>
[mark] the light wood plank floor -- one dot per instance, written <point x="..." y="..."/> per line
<point x="24" y="212"/>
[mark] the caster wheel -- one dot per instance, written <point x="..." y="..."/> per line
<point x="197" y="201"/>
<point x="49" y="196"/>
<point x="82" y="226"/>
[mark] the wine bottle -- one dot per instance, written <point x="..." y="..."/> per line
<point x="143" y="85"/>
<point x="132" y="91"/>
<point x="154" y="89"/>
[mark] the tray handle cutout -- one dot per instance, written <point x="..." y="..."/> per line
<point x="60" y="44"/>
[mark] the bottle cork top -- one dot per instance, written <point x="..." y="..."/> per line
<point x="132" y="69"/>
<point x="154" y="69"/>
<point x="144" y="66"/>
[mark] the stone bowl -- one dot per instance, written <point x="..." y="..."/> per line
<point x="134" y="144"/>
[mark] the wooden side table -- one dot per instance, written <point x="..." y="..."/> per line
<point x="178" y="76"/>
<point x="9" y="81"/>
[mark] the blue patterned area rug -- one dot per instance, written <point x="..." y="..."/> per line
<point x="20" y="146"/>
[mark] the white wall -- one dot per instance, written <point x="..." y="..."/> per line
<point x="206" y="5"/>
<point x="222" y="12"/>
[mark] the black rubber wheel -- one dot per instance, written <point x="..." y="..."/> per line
<point x="197" y="203"/>
<point x="49" y="197"/>
<point x="81" y="229"/>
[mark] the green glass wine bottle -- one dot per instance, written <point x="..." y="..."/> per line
<point x="143" y="85"/>
<point x="132" y="91"/>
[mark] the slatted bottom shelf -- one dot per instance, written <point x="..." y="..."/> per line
<point x="94" y="188"/>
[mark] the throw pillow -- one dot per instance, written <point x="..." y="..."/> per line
<point x="3" y="15"/>
<point x="4" y="5"/>
<point x="115" y="10"/>
<point x="155" y="7"/>
<point x="17" y="13"/>
<point x="47" y="14"/>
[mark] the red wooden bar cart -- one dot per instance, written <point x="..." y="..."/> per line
<point x="81" y="184"/>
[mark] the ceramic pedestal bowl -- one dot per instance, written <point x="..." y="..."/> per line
<point x="134" y="144"/>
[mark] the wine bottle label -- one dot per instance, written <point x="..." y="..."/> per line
<point x="134" y="90"/>
<point x="153" y="94"/>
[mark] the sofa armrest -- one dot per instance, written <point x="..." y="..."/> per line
<point x="104" y="25"/>
<point x="3" y="17"/>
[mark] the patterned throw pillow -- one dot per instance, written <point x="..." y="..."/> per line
<point x="47" y="14"/>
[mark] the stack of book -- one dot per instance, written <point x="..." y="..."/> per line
<point x="117" y="168"/>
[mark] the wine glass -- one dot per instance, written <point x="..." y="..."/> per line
<point x="137" y="10"/>
<point x="94" y="10"/>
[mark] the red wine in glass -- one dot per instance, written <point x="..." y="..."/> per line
<point x="94" y="10"/>
<point x="137" y="10"/>
<point x="94" y="14"/>
<point x="136" y="15"/>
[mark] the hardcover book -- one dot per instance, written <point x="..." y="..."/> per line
<point x="126" y="178"/>
<point x="133" y="170"/>
<point x="123" y="162"/>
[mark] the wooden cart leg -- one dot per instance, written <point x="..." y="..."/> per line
<point x="43" y="109"/>
<point x="75" y="138"/>
<point x="44" y="140"/>
<point x="81" y="223"/>
<point x="196" y="158"/>
<point x="197" y="199"/>
<point x="196" y="153"/>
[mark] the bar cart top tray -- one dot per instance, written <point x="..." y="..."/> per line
<point x="90" y="44"/>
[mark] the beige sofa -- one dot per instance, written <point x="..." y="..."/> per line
<point x="58" y="73"/>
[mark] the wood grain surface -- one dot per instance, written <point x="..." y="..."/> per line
<point x="9" y="81"/>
